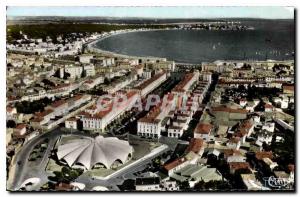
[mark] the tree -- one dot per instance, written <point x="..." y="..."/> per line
<point x="10" y="124"/>
<point x="66" y="175"/>
<point x="184" y="186"/>
<point x="106" y="81"/>
<point x="83" y="74"/>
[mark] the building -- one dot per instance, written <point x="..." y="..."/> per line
<point x="84" y="153"/>
<point x="288" y="89"/>
<point x="234" y="143"/>
<point x="109" y="108"/>
<point x="91" y="83"/>
<point x="263" y="154"/>
<point x="204" y="131"/>
<point x="103" y="61"/>
<point x="89" y="70"/>
<point x="152" y="124"/>
<point x="196" y="146"/>
<point x="147" y="184"/>
<point x="71" y="123"/>
<point x="176" y="165"/>
<point x="194" y="173"/>
<point x="234" y="166"/>
<point x="206" y="76"/>
<point x="168" y="185"/>
<point x="184" y="86"/>
<point x="175" y="131"/>
<point x="58" y="108"/>
<point x="251" y="183"/>
<point x="150" y="84"/>
<point x="269" y="163"/>
<point x="85" y="59"/>
<point x="20" y="130"/>
<point x="147" y="74"/>
<point x="139" y="70"/>
<point x="228" y="114"/>
<point x="74" y="71"/>
<point x="10" y="112"/>
<point x="268" y="107"/>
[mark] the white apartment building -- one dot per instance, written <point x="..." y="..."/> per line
<point x="63" y="89"/>
<point x="97" y="118"/>
<point x="118" y="86"/>
<point x="89" y="84"/>
<point x="185" y="84"/>
<point x="149" y="85"/>
<point x="89" y="70"/>
<point x="147" y="184"/>
<point x="104" y="61"/>
<point x="74" y="71"/>
<point x="204" y="131"/>
<point x="147" y="74"/>
<point x="207" y="76"/>
<point x="175" y="131"/>
<point x="151" y="124"/>
<point x="86" y="59"/>
<point x="71" y="123"/>
<point x="59" y="108"/>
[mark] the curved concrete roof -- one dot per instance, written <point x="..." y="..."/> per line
<point x="90" y="151"/>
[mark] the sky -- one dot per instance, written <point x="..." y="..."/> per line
<point x="156" y="12"/>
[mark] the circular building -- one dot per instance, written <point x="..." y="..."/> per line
<point x="96" y="152"/>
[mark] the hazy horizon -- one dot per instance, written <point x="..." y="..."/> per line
<point x="154" y="12"/>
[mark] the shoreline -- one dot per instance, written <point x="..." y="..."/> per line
<point x="91" y="47"/>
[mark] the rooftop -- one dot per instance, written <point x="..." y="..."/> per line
<point x="264" y="154"/>
<point x="175" y="163"/>
<point x="21" y="126"/>
<point x="147" y="181"/>
<point x="195" y="145"/>
<point x="239" y="165"/>
<point x="203" y="128"/>
<point x="229" y="110"/>
<point x="149" y="81"/>
<point x="180" y="86"/>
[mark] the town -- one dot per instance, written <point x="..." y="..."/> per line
<point x="79" y="118"/>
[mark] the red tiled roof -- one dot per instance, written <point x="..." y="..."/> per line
<point x="230" y="110"/>
<point x="37" y="119"/>
<point x="139" y="66"/>
<point x="149" y="81"/>
<point x="268" y="106"/>
<point x="174" y="163"/>
<point x="9" y="109"/>
<point x="264" y="154"/>
<point x="203" y="128"/>
<point x="239" y="165"/>
<point x="61" y="86"/>
<point x="109" y="105"/>
<point x="44" y="113"/>
<point x="179" y="87"/>
<point x="72" y="119"/>
<point x="288" y="87"/>
<point x="21" y="126"/>
<point x="234" y="140"/>
<point x="58" y="103"/>
<point x="195" y="145"/>
<point x="291" y="167"/>
<point x="230" y="152"/>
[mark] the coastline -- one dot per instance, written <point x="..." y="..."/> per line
<point x="91" y="47"/>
